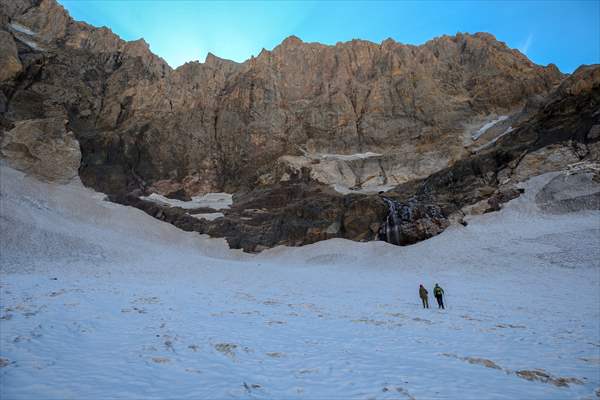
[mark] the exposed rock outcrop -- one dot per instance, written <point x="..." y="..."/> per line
<point x="304" y="134"/>
<point x="223" y="125"/>
<point x="44" y="148"/>
<point x="10" y="65"/>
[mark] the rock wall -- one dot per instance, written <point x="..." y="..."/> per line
<point x="224" y="126"/>
<point x="304" y="134"/>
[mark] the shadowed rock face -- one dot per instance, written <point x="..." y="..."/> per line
<point x="283" y="128"/>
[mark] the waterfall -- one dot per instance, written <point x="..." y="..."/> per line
<point x="390" y="230"/>
<point x="411" y="221"/>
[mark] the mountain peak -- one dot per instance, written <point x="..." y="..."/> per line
<point x="292" y="40"/>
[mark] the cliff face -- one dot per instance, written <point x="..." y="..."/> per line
<point x="286" y="128"/>
<point x="563" y="135"/>
<point x="221" y="125"/>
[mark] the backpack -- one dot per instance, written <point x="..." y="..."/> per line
<point x="437" y="291"/>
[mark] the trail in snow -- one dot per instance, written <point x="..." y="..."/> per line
<point x="101" y="301"/>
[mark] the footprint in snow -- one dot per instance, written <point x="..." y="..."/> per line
<point x="146" y="300"/>
<point x="426" y="321"/>
<point x="399" y="390"/>
<point x="271" y="302"/>
<point x="250" y="387"/>
<point x="511" y="326"/>
<point x="309" y="371"/>
<point x="134" y="309"/>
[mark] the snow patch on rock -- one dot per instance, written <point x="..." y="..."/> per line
<point x="487" y="126"/>
<point x="494" y="140"/>
<point x="22" y="29"/>
<point x="347" y="157"/>
<point x="208" y="216"/>
<point x="216" y="201"/>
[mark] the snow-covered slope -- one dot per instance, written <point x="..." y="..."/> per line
<point x="102" y="301"/>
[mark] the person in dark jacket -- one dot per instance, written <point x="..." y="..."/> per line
<point x="423" y="294"/>
<point x="438" y="292"/>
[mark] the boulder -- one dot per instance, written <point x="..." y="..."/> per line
<point x="44" y="148"/>
<point x="10" y="64"/>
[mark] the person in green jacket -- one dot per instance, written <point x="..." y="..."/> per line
<point x="423" y="294"/>
<point x="438" y="292"/>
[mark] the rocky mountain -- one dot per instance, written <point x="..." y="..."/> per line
<point x="304" y="135"/>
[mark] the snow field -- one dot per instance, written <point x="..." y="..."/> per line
<point x="102" y="301"/>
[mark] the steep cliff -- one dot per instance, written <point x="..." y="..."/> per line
<point x="302" y="133"/>
<point x="220" y="125"/>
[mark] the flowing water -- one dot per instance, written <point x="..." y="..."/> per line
<point x="390" y="230"/>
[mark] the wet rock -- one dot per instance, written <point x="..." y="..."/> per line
<point x="411" y="222"/>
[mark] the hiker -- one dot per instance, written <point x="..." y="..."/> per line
<point x="438" y="292"/>
<point x="423" y="293"/>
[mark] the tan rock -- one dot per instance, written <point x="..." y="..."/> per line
<point x="481" y="207"/>
<point x="10" y="65"/>
<point x="48" y="20"/>
<point x="228" y="123"/>
<point x="164" y="187"/>
<point x="43" y="148"/>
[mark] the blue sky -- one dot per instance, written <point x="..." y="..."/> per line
<point x="566" y="33"/>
